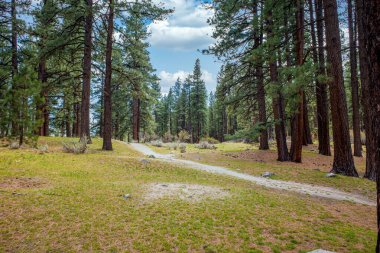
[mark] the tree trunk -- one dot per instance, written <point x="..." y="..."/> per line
<point x="282" y="149"/>
<point x="136" y="119"/>
<point x="369" y="30"/>
<point x="307" y="139"/>
<point x="107" y="133"/>
<point x="343" y="160"/>
<point x="264" y="145"/>
<point x="87" y="59"/>
<point x="262" y="109"/>
<point x="14" y="69"/>
<point x="298" y="125"/>
<point x="321" y="89"/>
<point x="371" y="170"/>
<point x="354" y="83"/>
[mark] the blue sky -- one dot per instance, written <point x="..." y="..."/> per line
<point x="175" y="43"/>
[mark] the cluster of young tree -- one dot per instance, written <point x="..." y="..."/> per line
<point x="58" y="55"/>
<point x="184" y="108"/>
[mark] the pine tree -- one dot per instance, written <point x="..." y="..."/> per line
<point x="198" y="103"/>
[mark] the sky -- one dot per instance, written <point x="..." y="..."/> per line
<point x="175" y="43"/>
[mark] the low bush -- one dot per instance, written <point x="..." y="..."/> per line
<point x="75" y="147"/>
<point x="43" y="148"/>
<point x="184" y="136"/>
<point x="205" y="145"/>
<point x="14" y="145"/>
<point x="210" y="140"/>
<point x="182" y="147"/>
<point x="173" y="146"/>
<point x="157" y="143"/>
<point x="167" y="137"/>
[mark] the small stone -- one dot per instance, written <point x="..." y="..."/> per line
<point x="267" y="174"/>
<point x="144" y="161"/>
<point x="330" y="175"/>
<point x="126" y="196"/>
<point x="151" y="156"/>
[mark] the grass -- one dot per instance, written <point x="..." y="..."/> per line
<point x="249" y="159"/>
<point x="78" y="207"/>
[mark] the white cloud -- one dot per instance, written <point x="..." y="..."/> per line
<point x="185" y="29"/>
<point x="168" y="79"/>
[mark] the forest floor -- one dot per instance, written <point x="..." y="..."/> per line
<point x="122" y="201"/>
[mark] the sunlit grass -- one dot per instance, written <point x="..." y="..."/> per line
<point x="80" y="208"/>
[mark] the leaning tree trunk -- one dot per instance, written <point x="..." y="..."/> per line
<point x="321" y="89"/>
<point x="298" y="124"/>
<point x="107" y="132"/>
<point x="354" y="83"/>
<point x="87" y="58"/>
<point x="343" y="160"/>
<point x="369" y="28"/>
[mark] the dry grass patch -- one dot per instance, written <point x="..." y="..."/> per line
<point x="21" y="182"/>
<point x="187" y="192"/>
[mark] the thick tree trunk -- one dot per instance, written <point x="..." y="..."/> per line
<point x="307" y="133"/>
<point x="298" y="125"/>
<point x="277" y="101"/>
<point x="43" y="110"/>
<point x="321" y="88"/>
<point x="264" y="145"/>
<point x="371" y="170"/>
<point x="107" y="133"/>
<point x="87" y="59"/>
<point x="354" y="82"/>
<point x="369" y="28"/>
<point x="343" y="160"/>
<point x="136" y="119"/>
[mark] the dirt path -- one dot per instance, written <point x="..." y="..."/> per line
<point x="318" y="191"/>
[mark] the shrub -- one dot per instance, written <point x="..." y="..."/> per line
<point x="157" y="143"/>
<point x="167" y="137"/>
<point x="173" y="146"/>
<point x="75" y="147"/>
<point x="210" y="140"/>
<point x="182" y="147"/>
<point x="43" y="148"/>
<point x="205" y="145"/>
<point x="184" y="136"/>
<point x="14" y="145"/>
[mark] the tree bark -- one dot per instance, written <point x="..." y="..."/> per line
<point x="369" y="29"/>
<point x="87" y="59"/>
<point x="107" y="133"/>
<point x="136" y="119"/>
<point x="298" y="125"/>
<point x="277" y="104"/>
<point x="307" y="139"/>
<point x="321" y="88"/>
<point x="264" y="145"/>
<point x="343" y="160"/>
<point x="371" y="170"/>
<point x="354" y="82"/>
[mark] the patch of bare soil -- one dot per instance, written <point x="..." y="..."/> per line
<point x="21" y="182"/>
<point x="187" y="192"/>
<point x="310" y="160"/>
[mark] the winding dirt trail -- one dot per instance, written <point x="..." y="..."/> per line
<point x="318" y="191"/>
